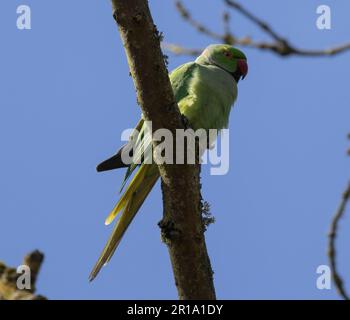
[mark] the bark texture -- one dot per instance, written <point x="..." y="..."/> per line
<point x="182" y="226"/>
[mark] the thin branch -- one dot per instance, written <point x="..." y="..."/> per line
<point x="226" y="18"/>
<point x="195" y="24"/>
<point x="281" y="46"/>
<point x="181" y="226"/>
<point x="250" y="16"/>
<point x="332" y="237"/>
<point x="247" y="42"/>
<point x="179" y="50"/>
<point x="331" y="244"/>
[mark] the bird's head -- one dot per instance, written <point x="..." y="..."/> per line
<point x="226" y="57"/>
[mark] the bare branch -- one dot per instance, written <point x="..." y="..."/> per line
<point x="332" y="237"/>
<point x="281" y="46"/>
<point x="178" y="50"/>
<point x="195" y="24"/>
<point x="262" y="24"/>
<point x="181" y="226"/>
<point x="331" y="244"/>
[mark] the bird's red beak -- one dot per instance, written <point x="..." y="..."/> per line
<point x="243" y="67"/>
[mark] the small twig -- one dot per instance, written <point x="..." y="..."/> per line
<point x="332" y="237"/>
<point x="179" y="50"/>
<point x="262" y="24"/>
<point x="331" y="244"/>
<point x="285" y="49"/>
<point x="247" y="42"/>
<point x="195" y="24"/>
<point x="228" y="36"/>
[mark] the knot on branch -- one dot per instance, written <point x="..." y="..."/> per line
<point x="284" y="48"/>
<point x="168" y="230"/>
<point x="229" y="39"/>
<point x="34" y="260"/>
<point x="138" y="17"/>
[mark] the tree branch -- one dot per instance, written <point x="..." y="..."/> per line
<point x="195" y="24"/>
<point x="9" y="276"/>
<point x="281" y="46"/>
<point x="332" y="237"/>
<point x="262" y="24"/>
<point x="181" y="226"/>
<point x="331" y="243"/>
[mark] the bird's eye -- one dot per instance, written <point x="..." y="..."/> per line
<point x="228" y="54"/>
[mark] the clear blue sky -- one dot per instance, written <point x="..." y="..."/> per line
<point x="65" y="99"/>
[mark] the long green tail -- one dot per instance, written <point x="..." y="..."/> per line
<point x="131" y="201"/>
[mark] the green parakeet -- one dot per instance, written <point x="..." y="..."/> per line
<point x="205" y="91"/>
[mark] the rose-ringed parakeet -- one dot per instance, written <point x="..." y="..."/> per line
<point x="205" y="91"/>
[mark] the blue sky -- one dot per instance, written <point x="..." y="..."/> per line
<point x="65" y="99"/>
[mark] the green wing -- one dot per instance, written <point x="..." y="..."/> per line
<point x="180" y="79"/>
